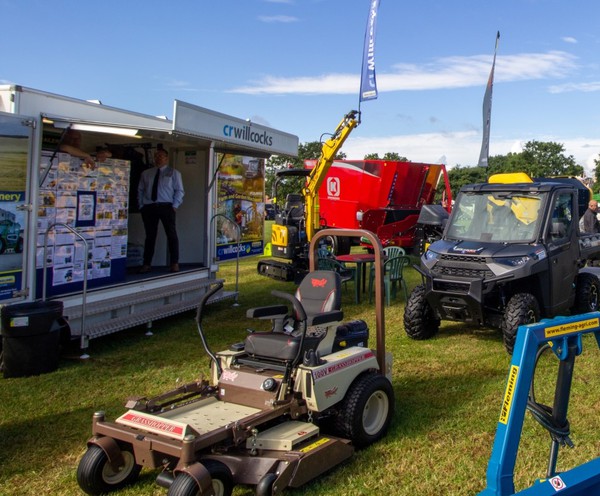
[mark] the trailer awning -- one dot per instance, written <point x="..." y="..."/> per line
<point x="230" y="134"/>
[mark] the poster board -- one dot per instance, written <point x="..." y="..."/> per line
<point x="94" y="202"/>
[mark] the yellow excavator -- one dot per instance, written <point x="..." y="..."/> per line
<point x="298" y="221"/>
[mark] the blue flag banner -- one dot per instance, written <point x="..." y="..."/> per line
<point x="487" y="113"/>
<point x="368" y="83"/>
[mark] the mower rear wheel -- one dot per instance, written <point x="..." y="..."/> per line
<point x="587" y="297"/>
<point x="367" y="410"/>
<point x="522" y="309"/>
<point x="419" y="320"/>
<point x="95" y="474"/>
<point x="222" y="481"/>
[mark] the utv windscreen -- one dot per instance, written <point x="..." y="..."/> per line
<point x="497" y="217"/>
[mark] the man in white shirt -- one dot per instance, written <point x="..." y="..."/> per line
<point x="160" y="194"/>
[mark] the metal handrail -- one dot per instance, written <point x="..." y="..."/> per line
<point x="84" y="341"/>
<point x="237" y="258"/>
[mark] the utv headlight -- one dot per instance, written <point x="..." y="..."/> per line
<point x="512" y="261"/>
<point x="431" y="255"/>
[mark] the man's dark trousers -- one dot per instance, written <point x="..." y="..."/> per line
<point x="151" y="214"/>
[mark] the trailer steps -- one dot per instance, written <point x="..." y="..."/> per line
<point x="104" y="316"/>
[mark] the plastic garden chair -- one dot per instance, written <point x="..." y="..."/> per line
<point x="393" y="276"/>
<point x="346" y="273"/>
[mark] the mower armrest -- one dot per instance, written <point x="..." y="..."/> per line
<point x="325" y="318"/>
<point x="270" y="312"/>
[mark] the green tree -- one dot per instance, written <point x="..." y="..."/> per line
<point x="596" y="186"/>
<point x="388" y="156"/>
<point x="459" y="176"/>
<point x="306" y="151"/>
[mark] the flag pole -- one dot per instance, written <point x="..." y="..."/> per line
<point x="487" y="113"/>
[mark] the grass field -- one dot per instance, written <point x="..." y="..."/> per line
<point x="448" y="395"/>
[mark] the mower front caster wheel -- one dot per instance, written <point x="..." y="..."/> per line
<point x="95" y="474"/>
<point x="222" y="481"/>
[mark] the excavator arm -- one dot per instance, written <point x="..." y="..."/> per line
<point x="328" y="152"/>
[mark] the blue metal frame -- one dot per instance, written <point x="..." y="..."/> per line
<point x="564" y="335"/>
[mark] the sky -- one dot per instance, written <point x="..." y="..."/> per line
<point x="294" y="65"/>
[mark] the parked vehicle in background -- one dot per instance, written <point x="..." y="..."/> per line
<point x="511" y="254"/>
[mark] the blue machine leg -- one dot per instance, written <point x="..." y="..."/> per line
<point x="564" y="336"/>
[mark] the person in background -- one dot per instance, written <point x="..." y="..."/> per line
<point x="589" y="221"/>
<point x="71" y="144"/>
<point x="102" y="153"/>
<point x="160" y="194"/>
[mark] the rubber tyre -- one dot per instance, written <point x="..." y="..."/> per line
<point x="185" y="485"/>
<point x="587" y="294"/>
<point x="419" y="320"/>
<point x="96" y="476"/>
<point x="522" y="309"/>
<point x="19" y="246"/>
<point x="265" y="485"/>
<point x="366" y="411"/>
<point x="2" y="246"/>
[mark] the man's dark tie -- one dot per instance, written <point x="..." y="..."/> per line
<point x="155" y="185"/>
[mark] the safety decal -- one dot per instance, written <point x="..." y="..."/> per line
<point x="337" y="366"/>
<point x="153" y="423"/>
<point x="314" y="445"/>
<point x="582" y="325"/>
<point x="513" y="374"/>
<point x="557" y="483"/>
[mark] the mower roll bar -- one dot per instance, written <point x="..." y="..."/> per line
<point x="564" y="334"/>
<point x="379" y="283"/>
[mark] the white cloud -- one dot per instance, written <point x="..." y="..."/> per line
<point x="568" y="87"/>
<point x="449" y="72"/>
<point x="278" y="18"/>
<point x="462" y="148"/>
<point x="569" y="39"/>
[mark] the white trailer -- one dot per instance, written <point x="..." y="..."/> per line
<point x="68" y="218"/>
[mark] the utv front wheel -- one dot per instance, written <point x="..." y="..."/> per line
<point x="587" y="292"/>
<point x="522" y="309"/>
<point x="95" y="474"/>
<point x="367" y="410"/>
<point x="419" y="320"/>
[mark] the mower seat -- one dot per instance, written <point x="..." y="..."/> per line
<point x="319" y="294"/>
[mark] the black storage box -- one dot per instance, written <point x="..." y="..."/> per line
<point x="353" y="333"/>
<point x="31" y="335"/>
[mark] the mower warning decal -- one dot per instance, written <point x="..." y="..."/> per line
<point x="582" y="325"/>
<point x="314" y="445"/>
<point x="154" y="424"/>
<point x="508" y="395"/>
<point x="337" y="366"/>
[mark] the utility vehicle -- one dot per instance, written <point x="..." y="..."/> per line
<point x="280" y="409"/>
<point x="511" y="253"/>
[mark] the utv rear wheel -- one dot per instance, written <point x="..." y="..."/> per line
<point x="522" y="309"/>
<point x="587" y="292"/>
<point x="419" y="320"/>
<point x="222" y="481"/>
<point x="95" y="474"/>
<point x="367" y="410"/>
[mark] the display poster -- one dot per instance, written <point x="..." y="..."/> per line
<point x="94" y="202"/>
<point x="240" y="206"/>
<point x="13" y="163"/>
